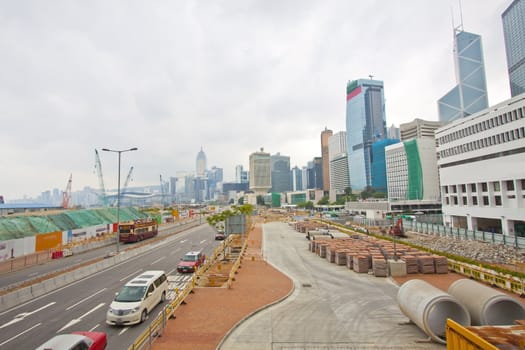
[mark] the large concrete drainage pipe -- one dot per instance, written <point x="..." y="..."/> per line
<point x="429" y="308"/>
<point x="486" y="305"/>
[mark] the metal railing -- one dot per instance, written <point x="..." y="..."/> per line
<point x="158" y="325"/>
<point x="465" y="234"/>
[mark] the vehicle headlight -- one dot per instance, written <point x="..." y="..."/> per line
<point x="135" y="309"/>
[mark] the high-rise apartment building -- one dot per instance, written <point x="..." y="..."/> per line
<point x="513" y="19"/>
<point x="338" y="158"/>
<point x="260" y="172"/>
<point x="470" y="94"/>
<point x="201" y="163"/>
<point x="280" y="167"/>
<point x="365" y="124"/>
<point x="325" y="135"/>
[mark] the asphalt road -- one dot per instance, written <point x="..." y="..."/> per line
<point x="331" y="306"/>
<point x="35" y="271"/>
<point x="82" y="305"/>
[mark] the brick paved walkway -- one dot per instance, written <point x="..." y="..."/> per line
<point x="210" y="313"/>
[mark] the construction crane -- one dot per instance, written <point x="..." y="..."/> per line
<point x="66" y="195"/>
<point x="125" y="185"/>
<point x="161" y="191"/>
<point x="98" y="168"/>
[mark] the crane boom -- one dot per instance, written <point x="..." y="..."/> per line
<point x="66" y="195"/>
<point x="125" y="185"/>
<point x="98" y="168"/>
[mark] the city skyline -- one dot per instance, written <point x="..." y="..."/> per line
<point x="170" y="85"/>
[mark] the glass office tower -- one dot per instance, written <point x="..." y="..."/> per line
<point x="470" y="95"/>
<point x="513" y="19"/>
<point x="365" y="124"/>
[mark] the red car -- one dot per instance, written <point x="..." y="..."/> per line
<point x="191" y="261"/>
<point x="76" y="340"/>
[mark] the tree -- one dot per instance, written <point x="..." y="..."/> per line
<point x="240" y="201"/>
<point x="323" y="201"/>
<point x="309" y="205"/>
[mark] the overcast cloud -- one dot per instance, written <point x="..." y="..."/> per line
<point x="170" y="77"/>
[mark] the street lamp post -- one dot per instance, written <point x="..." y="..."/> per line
<point x="118" y="191"/>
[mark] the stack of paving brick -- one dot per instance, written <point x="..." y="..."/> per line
<point x="340" y="256"/>
<point x="322" y="249"/>
<point x="350" y="259"/>
<point x="330" y="253"/>
<point x="379" y="266"/>
<point x="361" y="263"/>
<point x="425" y="264"/>
<point x="440" y="264"/>
<point x="411" y="263"/>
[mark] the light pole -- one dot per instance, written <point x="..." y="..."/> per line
<point x="118" y="191"/>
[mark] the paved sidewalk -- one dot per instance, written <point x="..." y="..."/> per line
<point x="210" y="313"/>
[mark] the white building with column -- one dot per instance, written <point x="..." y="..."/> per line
<point x="481" y="160"/>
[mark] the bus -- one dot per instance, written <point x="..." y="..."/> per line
<point x="138" y="230"/>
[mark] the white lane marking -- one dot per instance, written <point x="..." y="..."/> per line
<point x="159" y="259"/>
<point x="96" y="326"/>
<point x="123" y="330"/>
<point x="23" y="315"/>
<point x="77" y="320"/>
<point x="131" y="274"/>
<point x="89" y="297"/>
<point x="19" y="334"/>
<point x="32" y="274"/>
<point x="203" y="241"/>
<point x="184" y="240"/>
<point x="139" y="256"/>
<point x="171" y="271"/>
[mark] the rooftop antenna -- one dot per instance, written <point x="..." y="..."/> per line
<point x="370" y="76"/>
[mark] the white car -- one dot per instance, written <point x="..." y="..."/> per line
<point x="137" y="298"/>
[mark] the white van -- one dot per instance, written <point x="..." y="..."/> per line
<point x="137" y="298"/>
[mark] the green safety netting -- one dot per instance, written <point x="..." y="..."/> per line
<point x="26" y="226"/>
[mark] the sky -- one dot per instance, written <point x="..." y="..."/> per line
<point x="230" y="76"/>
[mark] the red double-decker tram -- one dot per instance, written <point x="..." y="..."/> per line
<point x="138" y="230"/>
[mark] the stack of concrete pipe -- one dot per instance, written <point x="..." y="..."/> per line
<point x="467" y="303"/>
<point x="487" y="306"/>
<point x="429" y="308"/>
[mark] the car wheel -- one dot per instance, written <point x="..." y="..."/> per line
<point x="143" y="315"/>
<point x="163" y="297"/>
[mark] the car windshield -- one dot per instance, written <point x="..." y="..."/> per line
<point x="131" y="293"/>
<point x="190" y="258"/>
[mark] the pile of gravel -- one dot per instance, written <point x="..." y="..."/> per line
<point x="472" y="249"/>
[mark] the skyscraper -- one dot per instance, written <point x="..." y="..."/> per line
<point x="201" y="163"/>
<point x="297" y="178"/>
<point x="325" y="134"/>
<point x="280" y="167"/>
<point x="470" y="94"/>
<point x="338" y="156"/>
<point x="365" y="124"/>
<point x="513" y="19"/>
<point x="260" y="172"/>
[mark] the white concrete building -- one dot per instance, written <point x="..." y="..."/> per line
<point x="412" y="170"/>
<point x="481" y="161"/>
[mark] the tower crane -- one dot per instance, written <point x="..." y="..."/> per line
<point x="161" y="191"/>
<point x="125" y="185"/>
<point x="66" y="195"/>
<point x="98" y="168"/>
